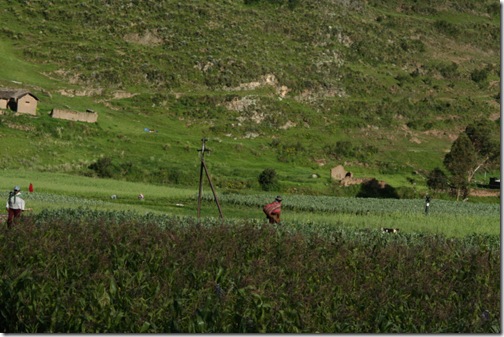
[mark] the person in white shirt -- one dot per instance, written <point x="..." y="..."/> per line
<point x="15" y="206"/>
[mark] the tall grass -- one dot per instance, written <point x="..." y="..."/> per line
<point x="123" y="273"/>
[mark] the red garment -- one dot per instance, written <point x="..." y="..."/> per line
<point x="30" y="188"/>
<point x="14" y="214"/>
<point x="273" y="211"/>
<point x="273" y="208"/>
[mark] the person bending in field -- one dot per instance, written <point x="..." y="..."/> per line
<point x="15" y="206"/>
<point x="273" y="210"/>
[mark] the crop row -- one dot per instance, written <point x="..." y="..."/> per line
<point x="78" y="270"/>
<point x="362" y="205"/>
<point x="309" y="203"/>
<point x="57" y="199"/>
<point x="329" y="231"/>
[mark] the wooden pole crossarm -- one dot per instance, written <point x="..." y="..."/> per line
<point x="200" y="190"/>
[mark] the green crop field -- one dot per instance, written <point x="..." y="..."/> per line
<point x="55" y="191"/>
<point x="122" y="272"/>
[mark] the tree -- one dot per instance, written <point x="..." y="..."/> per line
<point x="460" y="161"/>
<point x="484" y="137"/>
<point x="475" y="148"/>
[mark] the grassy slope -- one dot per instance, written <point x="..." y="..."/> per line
<point x="365" y="53"/>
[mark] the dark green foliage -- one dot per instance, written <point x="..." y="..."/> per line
<point x="437" y="180"/>
<point x="462" y="157"/>
<point x="484" y="137"/>
<point x="290" y="3"/>
<point x="479" y="75"/>
<point x="390" y="168"/>
<point x="374" y="189"/>
<point x="268" y="179"/>
<point x="288" y="153"/>
<point x="475" y="148"/>
<point x="446" y="27"/>
<point x="345" y="149"/>
<point x="125" y="273"/>
<point x="449" y="71"/>
<point x="404" y="192"/>
<point x="460" y="161"/>
<point x="103" y="167"/>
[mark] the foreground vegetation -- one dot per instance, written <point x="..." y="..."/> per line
<point x="83" y="262"/>
<point x="122" y="272"/>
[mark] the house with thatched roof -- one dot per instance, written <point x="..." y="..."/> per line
<point x="18" y="100"/>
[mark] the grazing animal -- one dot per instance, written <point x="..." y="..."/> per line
<point x="390" y="230"/>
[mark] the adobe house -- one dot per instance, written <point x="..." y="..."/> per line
<point x="18" y="100"/>
<point x="339" y="173"/>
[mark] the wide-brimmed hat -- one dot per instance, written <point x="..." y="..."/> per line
<point x="17" y="188"/>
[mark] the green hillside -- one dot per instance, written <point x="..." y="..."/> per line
<point x="383" y="87"/>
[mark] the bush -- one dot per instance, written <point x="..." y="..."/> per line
<point x="268" y="180"/>
<point x="437" y="180"/>
<point x="375" y="189"/>
<point x="479" y="75"/>
<point x="446" y="27"/>
<point x="103" y="167"/>
<point x="344" y="149"/>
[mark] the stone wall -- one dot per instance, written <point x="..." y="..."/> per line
<point x="89" y="117"/>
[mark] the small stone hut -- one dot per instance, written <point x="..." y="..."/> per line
<point x="339" y="173"/>
<point x="18" y="100"/>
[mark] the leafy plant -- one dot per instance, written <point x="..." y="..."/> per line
<point x="268" y="179"/>
<point x="131" y="273"/>
<point x="103" y="167"/>
<point x="437" y="180"/>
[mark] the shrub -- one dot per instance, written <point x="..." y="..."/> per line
<point x="437" y="180"/>
<point x="344" y="148"/>
<point x="268" y="179"/>
<point x="103" y="167"/>
<point x="479" y="75"/>
<point x="375" y="189"/>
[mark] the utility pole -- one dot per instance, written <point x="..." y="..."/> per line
<point x="204" y="167"/>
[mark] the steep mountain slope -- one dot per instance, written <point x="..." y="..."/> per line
<point x="381" y="86"/>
